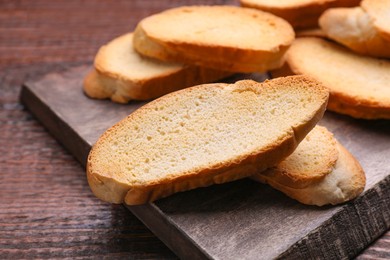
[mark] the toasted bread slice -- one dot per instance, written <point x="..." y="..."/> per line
<point x="378" y="10"/>
<point x="220" y="37"/>
<point x="301" y="14"/>
<point x="199" y="136"/>
<point x="121" y="74"/>
<point x="313" y="159"/>
<point x="355" y="29"/>
<point x="319" y="172"/>
<point x="359" y="85"/>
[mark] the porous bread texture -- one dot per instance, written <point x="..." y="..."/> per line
<point x="221" y="37"/>
<point x="199" y="136"/>
<point x="301" y="14"/>
<point x="342" y="177"/>
<point x="121" y="74"/>
<point x="379" y="10"/>
<point x="355" y="29"/>
<point x="358" y="85"/>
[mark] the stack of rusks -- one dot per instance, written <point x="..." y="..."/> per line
<point x="197" y="131"/>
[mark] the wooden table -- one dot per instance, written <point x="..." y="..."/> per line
<point x="46" y="207"/>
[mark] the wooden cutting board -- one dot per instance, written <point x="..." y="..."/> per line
<point x="242" y="219"/>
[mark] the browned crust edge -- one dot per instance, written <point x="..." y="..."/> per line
<point x="227" y="58"/>
<point x="109" y="189"/>
<point x="303" y="16"/>
<point x="288" y="179"/>
<point x="121" y="90"/>
<point x="351" y="187"/>
<point x="342" y="103"/>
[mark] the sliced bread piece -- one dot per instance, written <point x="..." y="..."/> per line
<point x="121" y="74"/>
<point x="359" y="85"/>
<point x="199" y="136"/>
<point x="301" y="14"/>
<point x="220" y="37"/>
<point x="379" y="10"/>
<point x="355" y="29"/>
<point x="313" y="159"/>
<point x="319" y="172"/>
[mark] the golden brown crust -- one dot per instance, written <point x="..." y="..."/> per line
<point x="359" y="91"/>
<point x="93" y="88"/>
<point x="211" y="44"/>
<point x="345" y="182"/>
<point x="122" y="75"/>
<point x="99" y="86"/>
<point x="300" y="14"/>
<point x="313" y="159"/>
<point x="210" y="176"/>
<point x="378" y="10"/>
<point x="343" y="103"/>
<point x="107" y="177"/>
<point x="355" y="29"/>
<point x="357" y="110"/>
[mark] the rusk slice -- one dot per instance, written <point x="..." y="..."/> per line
<point x="313" y="159"/>
<point x="220" y="37"/>
<point x="121" y="74"/>
<point x="379" y="10"/>
<point x="354" y="28"/>
<point x="199" y="136"/>
<point x="301" y="14"/>
<point x="319" y="172"/>
<point x="359" y="85"/>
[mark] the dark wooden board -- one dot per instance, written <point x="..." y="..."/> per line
<point x="237" y="220"/>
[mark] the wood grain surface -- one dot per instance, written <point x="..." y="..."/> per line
<point x="46" y="207"/>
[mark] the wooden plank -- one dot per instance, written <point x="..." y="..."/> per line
<point x="242" y="219"/>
